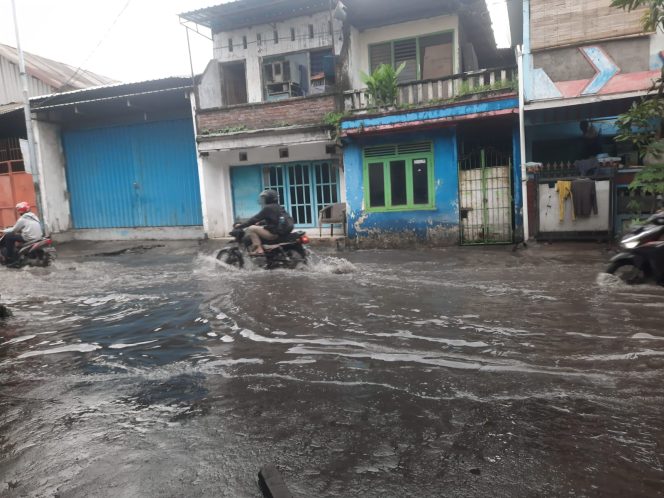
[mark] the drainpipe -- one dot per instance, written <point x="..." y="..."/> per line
<point x="522" y="145"/>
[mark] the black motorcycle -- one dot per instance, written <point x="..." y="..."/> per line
<point x="39" y="253"/>
<point x="642" y="259"/>
<point x="288" y="251"/>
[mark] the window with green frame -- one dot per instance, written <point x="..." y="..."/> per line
<point x="399" y="177"/>
<point x="425" y="57"/>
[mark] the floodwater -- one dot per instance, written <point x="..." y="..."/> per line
<point x="457" y="372"/>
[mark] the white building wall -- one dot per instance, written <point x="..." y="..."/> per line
<point x="216" y="180"/>
<point x="360" y="41"/>
<point x="254" y="52"/>
<point x="52" y="181"/>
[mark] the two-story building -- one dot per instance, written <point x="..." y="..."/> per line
<point x="261" y="110"/>
<point x="282" y="105"/>
<point x="584" y="64"/>
<point x="440" y="165"/>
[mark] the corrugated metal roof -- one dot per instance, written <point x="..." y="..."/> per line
<point x="8" y="108"/>
<point x="111" y="91"/>
<point x="55" y="74"/>
<point x="243" y="13"/>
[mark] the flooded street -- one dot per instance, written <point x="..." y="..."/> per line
<point x="456" y="372"/>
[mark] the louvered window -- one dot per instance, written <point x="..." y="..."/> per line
<point x="380" y="54"/>
<point x="405" y="52"/>
<point x="424" y="57"/>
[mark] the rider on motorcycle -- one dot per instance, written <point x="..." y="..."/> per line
<point x="265" y="224"/>
<point x="27" y="229"/>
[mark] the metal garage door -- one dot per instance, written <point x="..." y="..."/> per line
<point x="142" y="175"/>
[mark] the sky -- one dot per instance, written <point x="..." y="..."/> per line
<point x="146" y="41"/>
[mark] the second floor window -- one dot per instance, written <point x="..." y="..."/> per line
<point x="425" y="57"/>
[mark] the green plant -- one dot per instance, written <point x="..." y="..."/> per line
<point x="643" y="123"/>
<point x="382" y="84"/>
<point x="465" y="88"/>
<point x="653" y="17"/>
<point x="333" y="119"/>
<point x="232" y="129"/>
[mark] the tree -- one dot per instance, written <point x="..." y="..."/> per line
<point x="643" y="123"/>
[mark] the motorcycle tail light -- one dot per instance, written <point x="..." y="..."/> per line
<point x="49" y="242"/>
<point x="304" y="239"/>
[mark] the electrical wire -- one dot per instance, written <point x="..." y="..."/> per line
<point x="94" y="50"/>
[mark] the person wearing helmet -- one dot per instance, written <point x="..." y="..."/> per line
<point x="265" y="224"/>
<point x="27" y="229"/>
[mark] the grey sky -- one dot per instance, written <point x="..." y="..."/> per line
<point x="146" y="42"/>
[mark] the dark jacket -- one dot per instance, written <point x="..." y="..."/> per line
<point x="269" y="215"/>
<point x="584" y="197"/>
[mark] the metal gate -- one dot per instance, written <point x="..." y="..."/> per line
<point x="139" y="175"/>
<point x="485" y="193"/>
<point x="15" y="186"/>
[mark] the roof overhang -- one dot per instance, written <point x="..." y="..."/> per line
<point x="142" y="101"/>
<point x="244" y="13"/>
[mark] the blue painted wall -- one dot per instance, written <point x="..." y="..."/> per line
<point x="142" y="175"/>
<point x="440" y="224"/>
<point x="517" y="184"/>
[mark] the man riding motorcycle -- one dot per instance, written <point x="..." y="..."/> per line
<point x="27" y="229"/>
<point x="269" y="224"/>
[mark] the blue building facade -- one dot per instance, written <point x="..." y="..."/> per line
<point x="440" y="176"/>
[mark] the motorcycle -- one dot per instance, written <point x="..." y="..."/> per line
<point x="288" y="251"/>
<point x="40" y="253"/>
<point x="642" y="259"/>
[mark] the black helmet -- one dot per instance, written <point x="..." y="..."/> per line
<point x="269" y="197"/>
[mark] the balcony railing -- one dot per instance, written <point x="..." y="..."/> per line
<point x="437" y="91"/>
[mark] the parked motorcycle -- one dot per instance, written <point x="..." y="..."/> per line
<point x="642" y="259"/>
<point x="288" y="251"/>
<point x="39" y="253"/>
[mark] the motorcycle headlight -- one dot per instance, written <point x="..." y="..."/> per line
<point x="631" y="244"/>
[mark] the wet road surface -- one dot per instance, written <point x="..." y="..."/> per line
<point x="457" y="372"/>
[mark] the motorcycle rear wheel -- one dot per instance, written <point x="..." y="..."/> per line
<point x="297" y="259"/>
<point x="231" y="256"/>
<point x="628" y="272"/>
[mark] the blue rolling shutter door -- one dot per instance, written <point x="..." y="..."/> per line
<point x="142" y="175"/>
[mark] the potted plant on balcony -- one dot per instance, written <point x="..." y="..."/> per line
<point x="382" y="85"/>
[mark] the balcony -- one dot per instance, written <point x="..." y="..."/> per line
<point x="473" y="85"/>
<point x="293" y="113"/>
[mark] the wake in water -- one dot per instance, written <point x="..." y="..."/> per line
<point x="316" y="264"/>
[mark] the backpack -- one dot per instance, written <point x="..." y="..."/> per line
<point x="286" y="222"/>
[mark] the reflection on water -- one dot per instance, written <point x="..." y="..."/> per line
<point x="382" y="373"/>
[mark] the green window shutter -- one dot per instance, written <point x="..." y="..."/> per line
<point x="379" y="54"/>
<point x="399" y="177"/>
<point x="405" y="51"/>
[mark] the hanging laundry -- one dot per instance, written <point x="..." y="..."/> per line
<point x="564" y="189"/>
<point x="584" y="197"/>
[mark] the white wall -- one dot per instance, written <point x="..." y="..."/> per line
<point x="216" y="183"/>
<point x="53" y="182"/>
<point x="360" y="41"/>
<point x="209" y="90"/>
<point x="254" y="53"/>
<point x="549" y="214"/>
